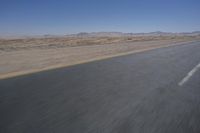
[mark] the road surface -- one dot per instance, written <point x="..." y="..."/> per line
<point x="157" y="91"/>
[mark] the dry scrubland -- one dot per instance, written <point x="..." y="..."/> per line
<point x="22" y="56"/>
<point x="57" y="42"/>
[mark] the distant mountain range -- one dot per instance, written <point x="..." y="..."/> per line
<point x="119" y="34"/>
<point x="110" y="34"/>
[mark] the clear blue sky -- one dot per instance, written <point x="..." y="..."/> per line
<point x="32" y="17"/>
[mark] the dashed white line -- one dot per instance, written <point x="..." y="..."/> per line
<point x="189" y="75"/>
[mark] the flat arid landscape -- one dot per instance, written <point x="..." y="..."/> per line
<point x="33" y="54"/>
<point x="100" y="66"/>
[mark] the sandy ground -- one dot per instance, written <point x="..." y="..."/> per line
<point x="19" y="57"/>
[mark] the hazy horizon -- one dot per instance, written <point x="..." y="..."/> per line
<point x="34" y="17"/>
<point x="21" y="35"/>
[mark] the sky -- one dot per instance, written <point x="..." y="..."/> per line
<point x="40" y="17"/>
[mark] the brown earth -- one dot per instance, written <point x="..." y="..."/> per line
<point x="23" y="56"/>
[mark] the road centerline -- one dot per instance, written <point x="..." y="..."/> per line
<point x="189" y="75"/>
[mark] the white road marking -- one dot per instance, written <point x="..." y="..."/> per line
<point x="189" y="75"/>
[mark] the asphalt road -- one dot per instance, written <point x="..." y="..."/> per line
<point x="137" y="93"/>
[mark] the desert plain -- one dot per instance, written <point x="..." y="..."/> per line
<point x="21" y="56"/>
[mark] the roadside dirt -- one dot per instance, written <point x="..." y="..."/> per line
<point x="18" y="58"/>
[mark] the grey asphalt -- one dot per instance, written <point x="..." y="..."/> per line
<point x="136" y="93"/>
